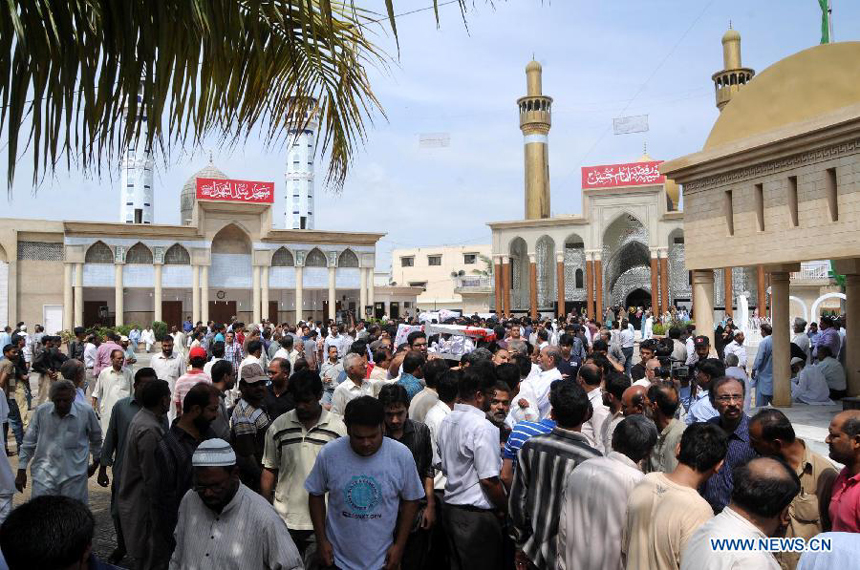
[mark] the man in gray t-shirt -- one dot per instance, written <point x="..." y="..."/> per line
<point x="369" y="479"/>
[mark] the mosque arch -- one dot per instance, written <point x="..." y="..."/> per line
<point x="546" y="268"/>
<point x="177" y="255"/>
<point x="139" y="254"/>
<point x="626" y="258"/>
<point x="231" y="239"/>
<point x="99" y="252"/>
<point x="574" y="267"/>
<point x="347" y="258"/>
<point x="283" y="258"/>
<point x="315" y="258"/>
<point x="519" y="274"/>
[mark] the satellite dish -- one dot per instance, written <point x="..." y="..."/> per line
<point x="461" y="273"/>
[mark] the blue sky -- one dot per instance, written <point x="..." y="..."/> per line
<point x="596" y="57"/>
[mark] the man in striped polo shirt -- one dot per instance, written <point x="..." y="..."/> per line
<point x="519" y="435"/>
<point x="293" y="442"/>
<point x="543" y="464"/>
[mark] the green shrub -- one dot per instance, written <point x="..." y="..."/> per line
<point x="160" y="329"/>
<point x="659" y="329"/>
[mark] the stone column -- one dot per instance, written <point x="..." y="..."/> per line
<point x="598" y="282"/>
<point x="332" y="292"/>
<point x="506" y="282"/>
<point x="156" y="298"/>
<point x="204" y="293"/>
<point x="497" y="285"/>
<point x="727" y="287"/>
<point x="664" y="281"/>
<point x="852" y="333"/>
<point x="118" y="296"/>
<point x="255" y="295"/>
<point x="655" y="283"/>
<point x="533" y="308"/>
<point x="79" y="294"/>
<point x="300" y="270"/>
<point x="68" y="299"/>
<point x="781" y="340"/>
<point x="371" y="291"/>
<point x="589" y="286"/>
<point x="559" y="272"/>
<point x="362" y="292"/>
<point x="703" y="300"/>
<point x="762" y="293"/>
<point x="265" y="296"/>
<point x="195" y="294"/>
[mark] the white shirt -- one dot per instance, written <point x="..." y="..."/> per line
<point x="433" y="419"/>
<point x="594" y="513"/>
<point x="207" y="368"/>
<point x="347" y="391"/>
<point x="469" y="452"/>
<point x="539" y="386"/>
<point x="728" y="524"/>
<point x="111" y="387"/>
<point x="810" y="387"/>
<point x="738" y="349"/>
<point x="626" y="336"/>
<point x="593" y="427"/>
<point x="90" y="354"/>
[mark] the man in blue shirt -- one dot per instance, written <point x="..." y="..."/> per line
<point x="410" y="379"/>
<point x="519" y="435"/>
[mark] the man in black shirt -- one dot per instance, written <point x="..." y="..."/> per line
<point x="415" y="436"/>
<point x="278" y="400"/>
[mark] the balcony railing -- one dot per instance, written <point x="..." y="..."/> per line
<point x="473" y="284"/>
<point x="813" y="270"/>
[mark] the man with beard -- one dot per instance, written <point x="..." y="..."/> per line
<point x="250" y="533"/>
<point x="173" y="456"/>
<point x="663" y="399"/>
<point x="293" y="442"/>
<point x="500" y="406"/>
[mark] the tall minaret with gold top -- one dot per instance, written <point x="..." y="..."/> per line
<point x="733" y="76"/>
<point x="535" y="122"/>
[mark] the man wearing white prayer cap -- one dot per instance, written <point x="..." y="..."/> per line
<point x="215" y="515"/>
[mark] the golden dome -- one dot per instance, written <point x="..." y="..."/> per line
<point x="808" y="84"/>
<point x="533" y="66"/>
<point x="645" y="158"/>
<point x="731" y="36"/>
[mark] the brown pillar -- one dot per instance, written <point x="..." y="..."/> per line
<point x="598" y="281"/>
<point x="559" y="272"/>
<point x="655" y="290"/>
<point x="506" y="283"/>
<point x="664" y="283"/>
<point x="497" y="278"/>
<point x="762" y="293"/>
<point x="781" y="341"/>
<point x="532" y="287"/>
<point x="589" y="289"/>
<point x="703" y="300"/>
<point x="727" y="287"/>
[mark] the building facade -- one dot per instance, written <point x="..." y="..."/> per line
<point x="450" y="277"/>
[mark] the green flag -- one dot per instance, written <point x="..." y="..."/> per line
<point x="825" y="21"/>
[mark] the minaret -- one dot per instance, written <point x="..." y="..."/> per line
<point x="733" y="76"/>
<point x="136" y="192"/>
<point x="300" y="176"/>
<point x="535" y="122"/>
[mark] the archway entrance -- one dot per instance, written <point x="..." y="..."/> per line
<point x="638" y="298"/>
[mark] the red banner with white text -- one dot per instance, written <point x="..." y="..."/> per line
<point x="615" y="175"/>
<point x="236" y="190"/>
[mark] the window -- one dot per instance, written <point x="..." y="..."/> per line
<point x="138" y="216"/>
<point x="759" y="206"/>
<point x="792" y="200"/>
<point x="434" y="260"/>
<point x="730" y="213"/>
<point x="422" y="284"/>
<point x="679" y="241"/>
<point x="832" y="202"/>
<point x="470" y="258"/>
<point x="578" y="279"/>
<point x="407" y="262"/>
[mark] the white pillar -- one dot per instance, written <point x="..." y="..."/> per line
<point x="371" y="298"/>
<point x="255" y="294"/>
<point x="118" y="296"/>
<point x="204" y="294"/>
<point x="332" y="292"/>
<point x="362" y="293"/>
<point x="265" y="301"/>
<point x="68" y="299"/>
<point x="703" y="302"/>
<point x="156" y="299"/>
<point x="299" y="287"/>
<point x="79" y="294"/>
<point x="195" y="294"/>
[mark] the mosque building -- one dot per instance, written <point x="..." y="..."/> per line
<point x="626" y="248"/>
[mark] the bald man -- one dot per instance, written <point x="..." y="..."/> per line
<point x="650" y="376"/>
<point x="763" y="490"/>
<point x="844" y="443"/>
<point x="635" y="401"/>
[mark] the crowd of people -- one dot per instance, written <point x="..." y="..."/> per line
<point x="549" y="444"/>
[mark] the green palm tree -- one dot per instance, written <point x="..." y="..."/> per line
<point x="69" y="71"/>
